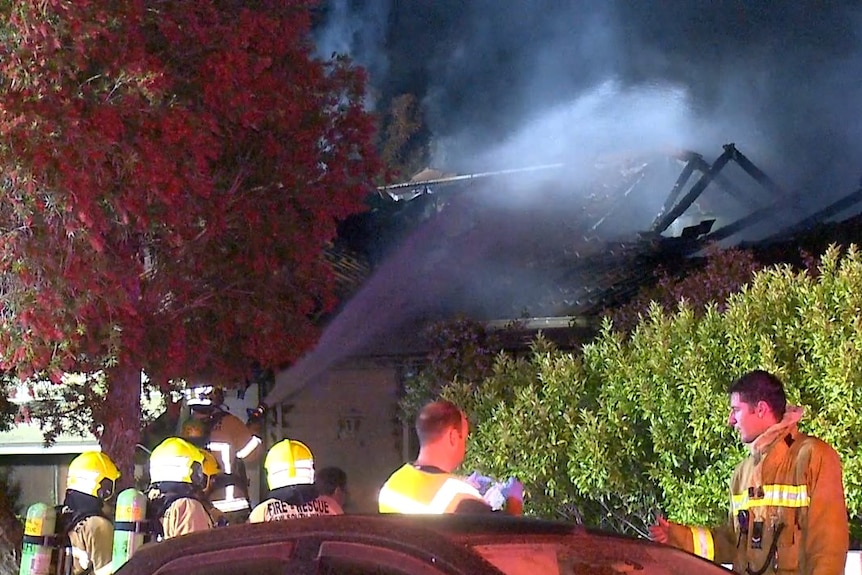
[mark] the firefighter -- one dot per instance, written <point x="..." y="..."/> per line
<point x="788" y="513"/>
<point x="231" y="441"/>
<point x="177" y="480"/>
<point x="211" y="472"/>
<point x="428" y="484"/>
<point x="90" y="484"/>
<point x="292" y="493"/>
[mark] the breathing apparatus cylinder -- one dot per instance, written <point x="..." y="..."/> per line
<point x="130" y="525"/>
<point x="39" y="540"/>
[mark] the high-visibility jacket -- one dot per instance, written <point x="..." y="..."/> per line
<point x="274" y="509"/>
<point x="787" y="514"/>
<point x="233" y="444"/>
<point x="427" y="490"/>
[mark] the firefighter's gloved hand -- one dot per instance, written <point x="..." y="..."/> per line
<point x="479" y="481"/>
<point x="257" y="414"/>
<point x="513" y="488"/>
<point x="494" y="497"/>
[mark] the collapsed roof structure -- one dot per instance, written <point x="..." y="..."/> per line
<point x="548" y="246"/>
<point x="580" y="243"/>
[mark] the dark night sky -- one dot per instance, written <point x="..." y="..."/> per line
<point x="530" y="82"/>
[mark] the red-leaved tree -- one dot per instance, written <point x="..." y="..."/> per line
<point x="171" y="173"/>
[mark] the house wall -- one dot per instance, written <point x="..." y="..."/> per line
<point x="39" y="471"/>
<point x="42" y="478"/>
<point x="348" y="419"/>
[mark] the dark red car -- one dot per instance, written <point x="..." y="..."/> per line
<point x="412" y="545"/>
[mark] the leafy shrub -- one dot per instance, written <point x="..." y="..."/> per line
<point x="462" y="351"/>
<point x="638" y="423"/>
<point x="11" y="528"/>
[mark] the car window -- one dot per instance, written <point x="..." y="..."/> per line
<point x="234" y="567"/>
<point x="348" y="558"/>
<point x="269" y="559"/>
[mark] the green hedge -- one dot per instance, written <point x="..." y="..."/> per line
<point x="638" y="423"/>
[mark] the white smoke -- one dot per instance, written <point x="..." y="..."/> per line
<point x="607" y="119"/>
<point x="358" y="31"/>
<point x="782" y="81"/>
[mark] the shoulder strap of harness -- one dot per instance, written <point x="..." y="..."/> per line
<point x="68" y="519"/>
<point x="158" y="507"/>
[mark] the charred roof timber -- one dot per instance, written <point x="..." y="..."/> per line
<point x="781" y="200"/>
<point x="580" y="270"/>
<point x="669" y="212"/>
<point x="695" y="161"/>
<point x="730" y="153"/>
<point x="390" y="190"/>
<point x="831" y="210"/>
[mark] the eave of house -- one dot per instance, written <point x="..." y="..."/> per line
<point x="587" y="255"/>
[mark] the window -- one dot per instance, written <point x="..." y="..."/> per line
<point x="343" y="558"/>
<point x="269" y="559"/>
<point x="342" y="566"/>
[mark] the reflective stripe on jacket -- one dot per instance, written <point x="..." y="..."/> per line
<point x="233" y="444"/>
<point x="277" y="510"/>
<point x="703" y="545"/>
<point x="414" y="491"/>
<point x="787" y="513"/>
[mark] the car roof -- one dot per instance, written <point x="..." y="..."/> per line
<point x="430" y="533"/>
<point x="423" y="533"/>
<point x="450" y="526"/>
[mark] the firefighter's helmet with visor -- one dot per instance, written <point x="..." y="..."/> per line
<point x="204" y="396"/>
<point x="289" y="462"/>
<point x="177" y="460"/>
<point x="93" y="473"/>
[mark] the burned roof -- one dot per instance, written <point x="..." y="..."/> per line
<point x="552" y="247"/>
<point x="555" y="241"/>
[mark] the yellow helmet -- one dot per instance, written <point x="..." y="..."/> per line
<point x="175" y="459"/>
<point x="93" y="473"/>
<point x="210" y="465"/>
<point x="289" y="462"/>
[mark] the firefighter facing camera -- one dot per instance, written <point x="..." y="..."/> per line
<point x="176" y="493"/>
<point x="292" y="494"/>
<point x="91" y="483"/>
<point x="211" y="425"/>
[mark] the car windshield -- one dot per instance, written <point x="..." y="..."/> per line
<point x="591" y="557"/>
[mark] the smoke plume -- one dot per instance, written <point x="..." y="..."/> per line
<point x="783" y="80"/>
